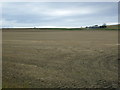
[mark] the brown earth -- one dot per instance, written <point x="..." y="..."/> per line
<point x="59" y="59"/>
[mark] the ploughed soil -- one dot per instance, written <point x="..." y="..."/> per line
<point x="60" y="59"/>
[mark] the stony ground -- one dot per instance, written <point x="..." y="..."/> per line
<point x="59" y="59"/>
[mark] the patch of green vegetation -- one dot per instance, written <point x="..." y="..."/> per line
<point x="60" y="28"/>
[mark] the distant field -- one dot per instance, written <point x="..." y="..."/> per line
<point x="59" y="59"/>
<point x="113" y="27"/>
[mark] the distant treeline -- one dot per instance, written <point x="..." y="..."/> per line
<point x="96" y="26"/>
<point x="43" y="28"/>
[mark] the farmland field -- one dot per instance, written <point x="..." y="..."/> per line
<point x="59" y="59"/>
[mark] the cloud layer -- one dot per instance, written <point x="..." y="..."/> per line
<point x="58" y="14"/>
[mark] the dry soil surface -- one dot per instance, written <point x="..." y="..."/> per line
<point x="60" y="59"/>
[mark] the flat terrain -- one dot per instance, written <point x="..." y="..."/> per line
<point x="59" y="59"/>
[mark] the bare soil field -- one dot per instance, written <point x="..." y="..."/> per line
<point x="60" y="59"/>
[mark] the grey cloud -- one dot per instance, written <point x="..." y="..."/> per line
<point x="58" y="13"/>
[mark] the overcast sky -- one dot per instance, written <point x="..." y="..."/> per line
<point x="58" y="14"/>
